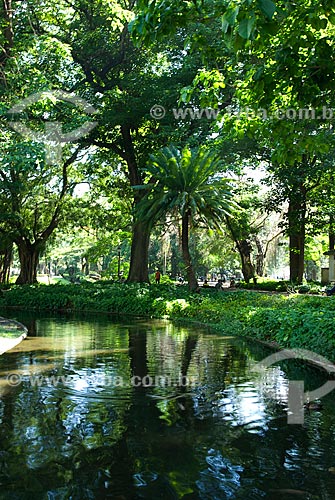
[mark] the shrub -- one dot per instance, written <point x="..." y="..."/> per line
<point x="266" y="285"/>
<point x="289" y="320"/>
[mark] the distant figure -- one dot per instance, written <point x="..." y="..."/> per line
<point x="232" y="283"/>
<point x="331" y="291"/>
<point x="218" y="285"/>
<point x="205" y="285"/>
<point x="157" y="277"/>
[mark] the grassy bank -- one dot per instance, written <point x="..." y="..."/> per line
<point x="290" y="321"/>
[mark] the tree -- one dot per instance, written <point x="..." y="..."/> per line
<point x="33" y="189"/>
<point x="285" y="87"/>
<point x="94" y="57"/>
<point x="242" y="229"/>
<point x="288" y="54"/>
<point x="186" y="183"/>
<point x="6" y="255"/>
<point x="291" y="194"/>
<point x="32" y="201"/>
<point x="157" y="20"/>
<point x="6" y="35"/>
<point x="124" y="82"/>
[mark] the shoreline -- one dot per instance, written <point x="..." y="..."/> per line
<point x="277" y="320"/>
<point x="8" y="343"/>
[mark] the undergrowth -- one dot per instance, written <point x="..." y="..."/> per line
<point x="288" y="320"/>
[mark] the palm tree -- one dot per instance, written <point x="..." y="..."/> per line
<point x="187" y="183"/>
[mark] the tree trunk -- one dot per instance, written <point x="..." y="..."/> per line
<point x="297" y="257"/>
<point x="244" y="249"/>
<point x="29" y="257"/>
<point x="248" y="268"/>
<point x="85" y="265"/>
<point x="260" y="258"/>
<point x="331" y="233"/>
<point x="174" y="257"/>
<point x="296" y="231"/>
<point x="139" y="259"/>
<point x="5" y="263"/>
<point x="191" y="278"/>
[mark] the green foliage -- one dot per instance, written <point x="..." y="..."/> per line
<point x="188" y="182"/>
<point x="282" y="286"/>
<point x="287" y="320"/>
<point x="266" y="285"/>
<point x="165" y="279"/>
<point x="155" y="21"/>
<point x="252" y="53"/>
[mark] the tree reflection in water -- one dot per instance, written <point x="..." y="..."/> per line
<point x="221" y="436"/>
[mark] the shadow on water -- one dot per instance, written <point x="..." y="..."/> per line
<point x="107" y="408"/>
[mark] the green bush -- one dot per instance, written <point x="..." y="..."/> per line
<point x="295" y="320"/>
<point x="266" y="285"/>
<point x="282" y="286"/>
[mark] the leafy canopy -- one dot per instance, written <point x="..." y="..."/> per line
<point x="187" y="182"/>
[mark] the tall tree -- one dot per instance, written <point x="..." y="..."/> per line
<point x="33" y="189"/>
<point x="187" y="183"/>
<point x="287" y="83"/>
<point x="124" y="83"/>
<point x="94" y="56"/>
<point x="282" y="87"/>
<point x="242" y="230"/>
<point x="6" y="35"/>
<point x="32" y="201"/>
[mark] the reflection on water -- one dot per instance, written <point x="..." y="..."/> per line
<point x="77" y="426"/>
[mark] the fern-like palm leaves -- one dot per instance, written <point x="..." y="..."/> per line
<point x="187" y="183"/>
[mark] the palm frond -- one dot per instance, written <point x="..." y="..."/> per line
<point x="187" y="181"/>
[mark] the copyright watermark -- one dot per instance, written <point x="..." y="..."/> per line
<point x="297" y="397"/>
<point x="101" y="380"/>
<point x="159" y="112"/>
<point x="14" y="379"/>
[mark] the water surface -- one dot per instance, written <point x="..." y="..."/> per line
<point x="101" y="408"/>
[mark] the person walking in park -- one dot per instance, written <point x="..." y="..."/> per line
<point x="157" y="277"/>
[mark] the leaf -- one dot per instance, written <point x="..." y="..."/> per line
<point x="229" y="18"/>
<point x="186" y="94"/>
<point x="317" y="23"/>
<point x="141" y="187"/>
<point x="323" y="23"/>
<point x="259" y="73"/>
<point x="271" y="28"/>
<point x="267" y="7"/>
<point x="224" y="25"/>
<point x="245" y="27"/>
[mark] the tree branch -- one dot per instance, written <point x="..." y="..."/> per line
<point x="270" y="241"/>
<point x="54" y="219"/>
<point x="110" y="145"/>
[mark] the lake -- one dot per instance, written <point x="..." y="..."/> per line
<point x="95" y="407"/>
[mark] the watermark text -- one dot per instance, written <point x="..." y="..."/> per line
<point x="159" y="112"/>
